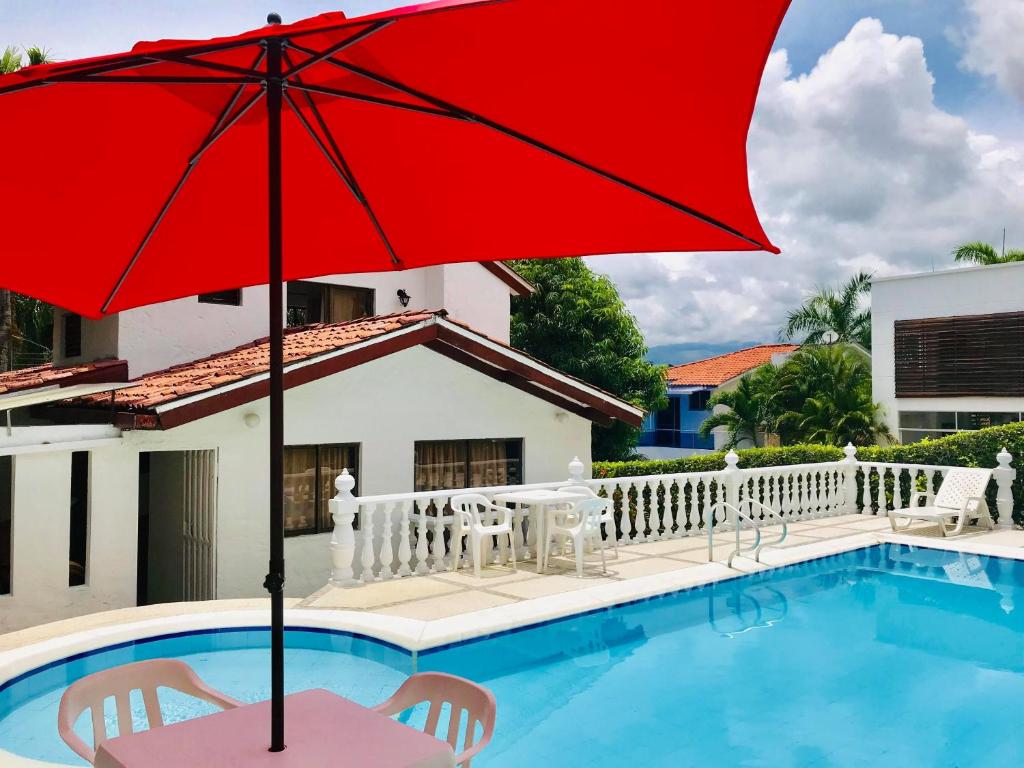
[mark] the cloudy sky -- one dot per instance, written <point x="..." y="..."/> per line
<point x="886" y="132"/>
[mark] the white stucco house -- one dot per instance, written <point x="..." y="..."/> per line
<point x="948" y="349"/>
<point x="149" y="484"/>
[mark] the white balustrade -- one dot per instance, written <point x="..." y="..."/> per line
<point x="408" y="534"/>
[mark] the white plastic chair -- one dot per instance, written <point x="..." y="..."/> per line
<point x="146" y="676"/>
<point x="467" y="508"/>
<point x="961" y="496"/>
<point x="607" y="517"/>
<point x="463" y="695"/>
<point x="581" y="524"/>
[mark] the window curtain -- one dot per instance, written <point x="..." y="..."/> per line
<point x="488" y="463"/>
<point x="299" y="488"/>
<point x="333" y="459"/>
<point x="343" y="304"/>
<point x="440" y="465"/>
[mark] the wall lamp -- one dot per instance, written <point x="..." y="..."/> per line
<point x="403" y="297"/>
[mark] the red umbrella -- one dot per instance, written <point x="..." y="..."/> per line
<point x="453" y="131"/>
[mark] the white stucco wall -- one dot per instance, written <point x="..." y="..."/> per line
<point x="155" y="337"/>
<point x="41" y="533"/>
<point x="970" y="291"/>
<point x="483" y="304"/>
<point x="385" y="406"/>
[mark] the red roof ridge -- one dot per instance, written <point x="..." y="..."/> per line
<point x="712" y="371"/>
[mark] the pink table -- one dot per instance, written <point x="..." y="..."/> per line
<point x="321" y="730"/>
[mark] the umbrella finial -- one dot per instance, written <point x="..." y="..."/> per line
<point x="273" y="18"/>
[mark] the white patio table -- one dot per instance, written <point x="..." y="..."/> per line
<point x="541" y="503"/>
<point x="324" y="731"/>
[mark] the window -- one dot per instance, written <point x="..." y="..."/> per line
<point x="921" y="425"/>
<point x="309" y="474"/>
<point x="699" y="400"/>
<point x="467" y="463"/>
<point x="72" y="335"/>
<point x="78" y="548"/>
<point x="321" y="303"/>
<point x="232" y="298"/>
<point x="958" y="356"/>
<point x="6" y="507"/>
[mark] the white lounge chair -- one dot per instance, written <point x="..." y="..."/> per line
<point x="961" y="497"/>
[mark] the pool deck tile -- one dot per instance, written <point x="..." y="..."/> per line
<point x="382" y="593"/>
<point x="466" y="601"/>
<point x="424" y="611"/>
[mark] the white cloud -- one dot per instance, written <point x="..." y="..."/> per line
<point x="992" y="45"/>
<point x="853" y="167"/>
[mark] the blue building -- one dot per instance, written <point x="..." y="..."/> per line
<point x="675" y="430"/>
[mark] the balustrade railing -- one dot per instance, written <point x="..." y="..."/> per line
<point x="405" y="534"/>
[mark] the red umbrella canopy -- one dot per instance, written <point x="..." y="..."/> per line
<point x="456" y="131"/>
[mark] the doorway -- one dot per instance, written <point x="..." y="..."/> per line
<point x="177" y="549"/>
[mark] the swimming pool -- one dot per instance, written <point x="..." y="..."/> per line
<point x="907" y="656"/>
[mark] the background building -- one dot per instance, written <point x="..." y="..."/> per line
<point x="948" y="349"/>
<point x="675" y="430"/>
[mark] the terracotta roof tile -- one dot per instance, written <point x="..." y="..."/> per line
<point x="718" y="370"/>
<point x="251" y="359"/>
<point x="48" y="375"/>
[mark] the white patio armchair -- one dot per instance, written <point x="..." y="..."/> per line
<point x="581" y="524"/>
<point x="468" y="508"/>
<point x="607" y="516"/>
<point x="961" y="498"/>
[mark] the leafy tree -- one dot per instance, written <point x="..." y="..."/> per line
<point x="577" y="323"/>
<point x="836" y="313"/>
<point x="750" y="408"/>
<point x="22" y="319"/>
<point x="983" y="253"/>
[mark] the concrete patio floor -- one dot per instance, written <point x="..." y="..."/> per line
<point x="450" y="593"/>
<point x="424" y="611"/>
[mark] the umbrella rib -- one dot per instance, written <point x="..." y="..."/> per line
<point x="317" y="57"/>
<point x="537" y="144"/>
<point x="220" y="126"/>
<point x="188" y="60"/>
<point x="355" y="96"/>
<point x="337" y="161"/>
<point x="162" y="80"/>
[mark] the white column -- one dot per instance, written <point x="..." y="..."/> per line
<point x="343" y="540"/>
<point x="1004" y="475"/>
<point x="850" y="481"/>
<point x="729" y="492"/>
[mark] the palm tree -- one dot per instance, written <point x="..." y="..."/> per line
<point x="826" y="392"/>
<point x="833" y="316"/>
<point x="983" y="253"/>
<point x="750" y="408"/>
<point x="10" y="61"/>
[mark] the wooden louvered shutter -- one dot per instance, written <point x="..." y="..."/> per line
<point x="957" y="356"/>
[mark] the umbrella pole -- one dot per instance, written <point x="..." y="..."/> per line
<point x="275" y="578"/>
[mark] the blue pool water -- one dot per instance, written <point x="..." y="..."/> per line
<point x="889" y="655"/>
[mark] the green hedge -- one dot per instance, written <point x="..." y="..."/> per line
<point x="751" y="458"/>
<point x="965" y="449"/>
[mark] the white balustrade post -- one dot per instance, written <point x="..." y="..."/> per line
<point x="1004" y="475"/>
<point x="576" y="471"/>
<point x="343" y="540"/>
<point x="368" y="557"/>
<point x="404" y="543"/>
<point x="850" y="481"/>
<point x="729" y="492"/>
